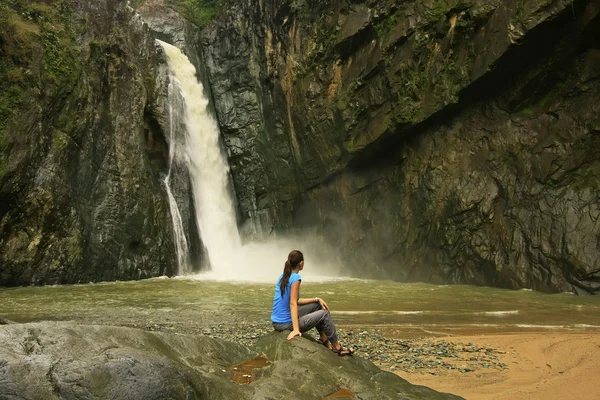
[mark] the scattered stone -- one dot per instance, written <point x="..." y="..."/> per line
<point x="383" y="348"/>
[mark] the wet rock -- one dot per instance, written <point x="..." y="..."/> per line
<point x="327" y="372"/>
<point x="81" y="160"/>
<point x="419" y="135"/>
<point x="69" y="361"/>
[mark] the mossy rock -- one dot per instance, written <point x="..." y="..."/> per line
<point x="304" y="369"/>
<point x="54" y="360"/>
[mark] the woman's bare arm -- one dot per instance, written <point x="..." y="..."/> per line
<point x="294" y="310"/>
<point x="314" y="300"/>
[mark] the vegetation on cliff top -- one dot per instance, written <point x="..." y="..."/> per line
<point x="199" y="12"/>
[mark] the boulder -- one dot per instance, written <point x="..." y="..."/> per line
<point x="52" y="360"/>
<point x="63" y="360"/>
<point x="304" y="369"/>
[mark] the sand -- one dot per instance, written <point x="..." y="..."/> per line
<point x="540" y="366"/>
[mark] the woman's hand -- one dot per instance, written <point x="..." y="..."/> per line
<point x="293" y="334"/>
<point x="324" y="305"/>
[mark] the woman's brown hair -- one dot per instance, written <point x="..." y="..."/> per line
<point x="294" y="258"/>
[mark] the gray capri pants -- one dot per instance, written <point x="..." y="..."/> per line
<point x="312" y="316"/>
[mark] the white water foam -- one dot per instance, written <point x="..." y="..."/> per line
<point x="409" y="312"/>
<point x="379" y="312"/>
<point x="181" y="244"/>
<point x="357" y="312"/>
<point x="586" y="326"/>
<point x="215" y="212"/>
<point x="535" y="326"/>
<point x="499" y="313"/>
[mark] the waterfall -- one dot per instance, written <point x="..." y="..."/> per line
<point x="207" y="166"/>
<point x="181" y="244"/>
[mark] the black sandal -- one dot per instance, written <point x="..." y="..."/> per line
<point x="344" y="351"/>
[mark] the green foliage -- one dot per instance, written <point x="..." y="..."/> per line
<point x="439" y="8"/>
<point x="508" y="158"/>
<point x="384" y="26"/>
<point x="521" y="11"/>
<point x="588" y="178"/>
<point x="303" y="11"/>
<point x="38" y="53"/>
<point x="135" y="3"/>
<point x="544" y="101"/>
<point x="526" y="112"/>
<point x="199" y="12"/>
<point x="408" y="111"/>
<point x="15" y="43"/>
<point x="60" y="140"/>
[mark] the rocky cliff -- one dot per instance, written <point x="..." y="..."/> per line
<point x="82" y="151"/>
<point x="448" y="141"/>
<point x="442" y="141"/>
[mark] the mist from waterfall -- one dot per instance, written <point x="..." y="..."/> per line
<point x="213" y="202"/>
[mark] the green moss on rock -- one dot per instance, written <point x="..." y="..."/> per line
<point x="38" y="54"/>
<point x="199" y="12"/>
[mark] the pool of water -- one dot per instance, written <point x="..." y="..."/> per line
<point x="407" y="309"/>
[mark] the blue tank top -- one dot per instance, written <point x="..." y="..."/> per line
<point x="281" y="305"/>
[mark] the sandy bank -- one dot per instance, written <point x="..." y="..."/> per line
<point x="541" y="366"/>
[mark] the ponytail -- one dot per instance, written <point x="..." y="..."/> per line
<point x="287" y="272"/>
<point x="294" y="258"/>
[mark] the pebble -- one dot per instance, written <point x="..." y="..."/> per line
<point x="423" y="355"/>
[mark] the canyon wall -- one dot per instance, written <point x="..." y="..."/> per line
<point x="438" y="141"/>
<point x="82" y="151"/>
<point x="443" y="141"/>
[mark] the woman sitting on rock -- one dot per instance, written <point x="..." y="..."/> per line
<point x="290" y="312"/>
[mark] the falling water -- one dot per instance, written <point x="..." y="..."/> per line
<point x="215" y="213"/>
<point x="181" y="244"/>
<point x="207" y="166"/>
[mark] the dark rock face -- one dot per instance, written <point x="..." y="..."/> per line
<point x="79" y="192"/>
<point x="424" y="142"/>
<point x="68" y="361"/>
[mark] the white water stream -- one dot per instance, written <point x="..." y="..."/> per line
<point x="181" y="244"/>
<point x="207" y="166"/>
<point x="209" y="172"/>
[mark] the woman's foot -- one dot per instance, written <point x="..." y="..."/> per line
<point x="344" y="351"/>
<point x="341" y="350"/>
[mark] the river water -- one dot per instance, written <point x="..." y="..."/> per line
<point x="234" y="310"/>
